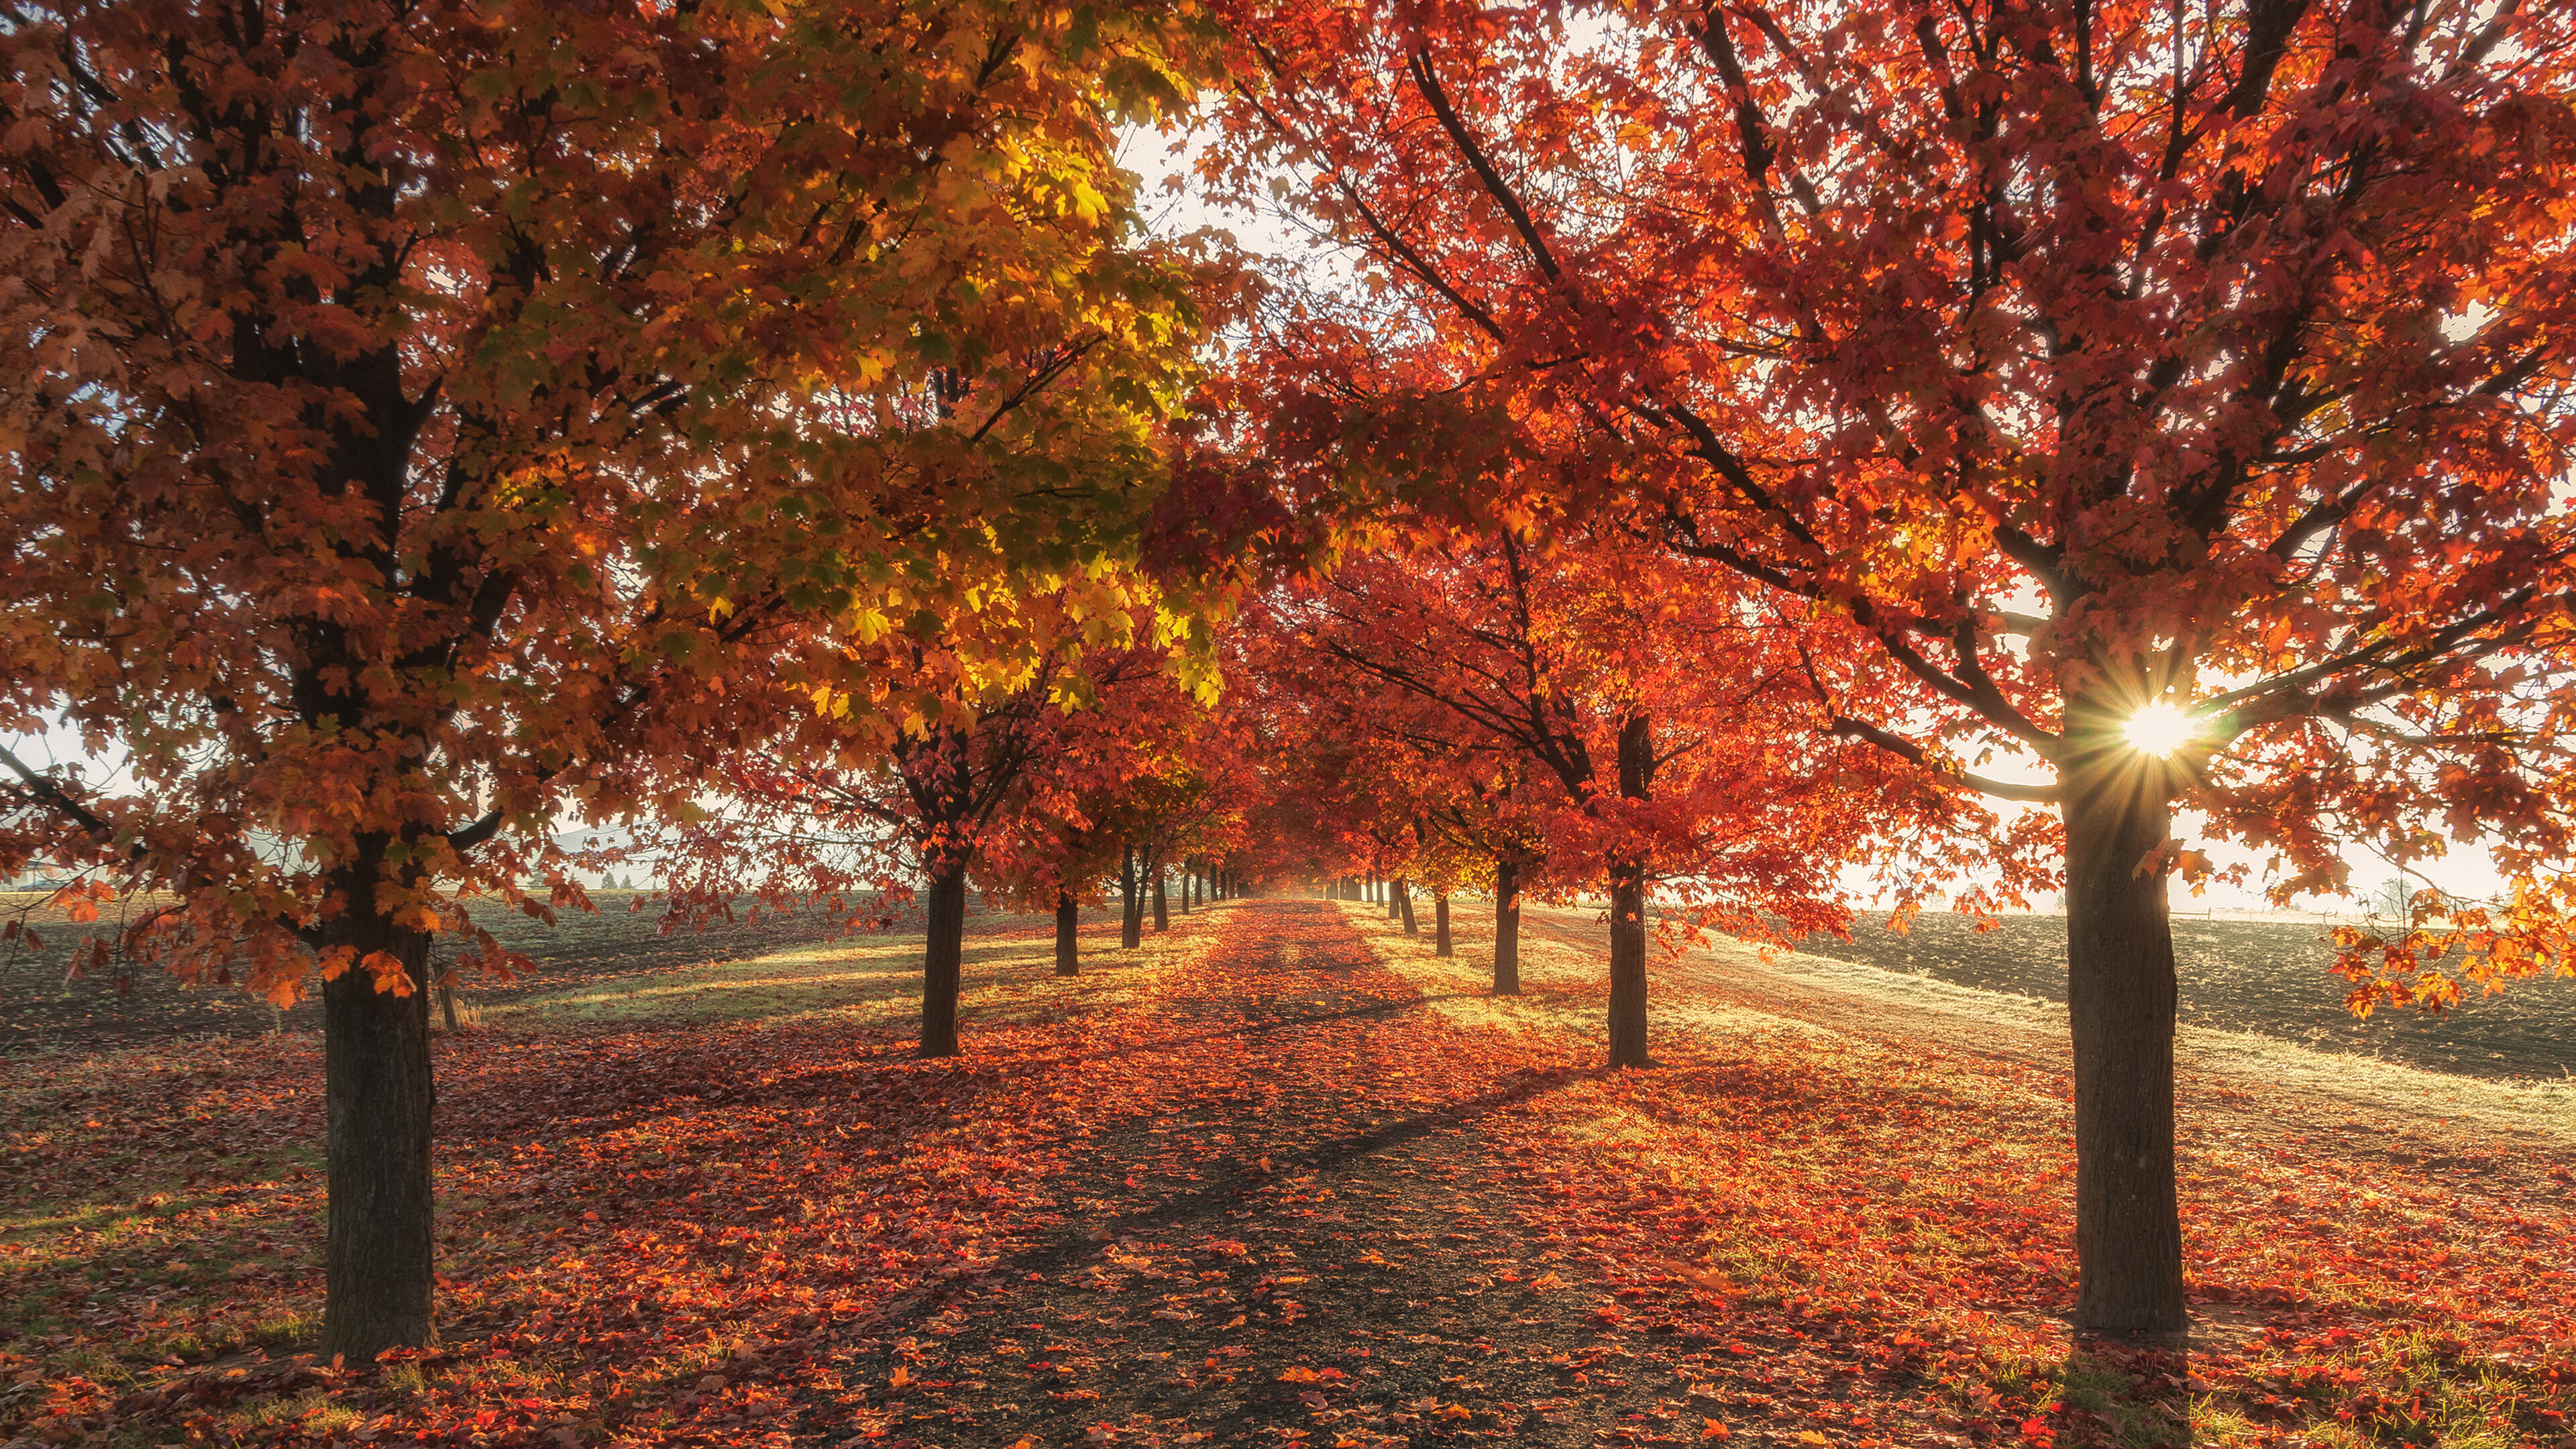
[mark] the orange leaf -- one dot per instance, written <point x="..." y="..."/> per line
<point x="1715" y="1430"/>
<point x="391" y="977"/>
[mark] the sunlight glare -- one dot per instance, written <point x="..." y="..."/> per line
<point x="2159" y="729"/>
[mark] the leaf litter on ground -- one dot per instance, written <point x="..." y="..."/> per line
<point x="1266" y="1191"/>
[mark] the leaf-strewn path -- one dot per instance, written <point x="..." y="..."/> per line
<point x="1278" y="1177"/>
<point x="1330" y="1228"/>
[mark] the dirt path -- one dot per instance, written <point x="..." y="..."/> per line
<point x="1321" y="1229"/>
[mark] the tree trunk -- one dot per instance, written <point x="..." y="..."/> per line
<point x="1068" y="933"/>
<point x="943" y="960"/>
<point x="1189" y="881"/>
<point x="1404" y="905"/>
<point x="1131" y="903"/>
<point x="1507" y="928"/>
<point x="447" y="1007"/>
<point x="1440" y="924"/>
<point x="2120" y="1007"/>
<point x="1628" y="910"/>
<point x="1628" y="967"/>
<point x="377" y="1095"/>
<point x="1162" y="913"/>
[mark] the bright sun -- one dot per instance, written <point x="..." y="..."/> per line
<point x="2160" y="729"/>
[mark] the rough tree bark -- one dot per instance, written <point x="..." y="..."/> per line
<point x="1440" y="924"/>
<point x="377" y="1099"/>
<point x="1507" y="928"/>
<point x="1068" y="934"/>
<point x="1628" y="910"/>
<point x="1404" y="905"/>
<point x="2120" y="1000"/>
<point x="1131" y="903"/>
<point x="943" y="958"/>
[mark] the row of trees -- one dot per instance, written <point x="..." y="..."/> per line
<point x="1972" y="385"/>
<point x="426" y="422"/>
<point x="1735" y="447"/>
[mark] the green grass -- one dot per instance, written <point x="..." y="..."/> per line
<point x="792" y="983"/>
<point x="2409" y="1390"/>
<point x="867" y="981"/>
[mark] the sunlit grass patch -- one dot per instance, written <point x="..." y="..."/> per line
<point x="870" y="980"/>
<point x="1561" y="991"/>
<point x="163" y="1210"/>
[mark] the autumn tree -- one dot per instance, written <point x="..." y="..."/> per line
<point x="1188" y="798"/>
<point x="1064" y="836"/>
<point x="860" y="806"/>
<point x="418" y="419"/>
<point x="1663" y="728"/>
<point x="1474" y="834"/>
<point x="2169" y="403"/>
